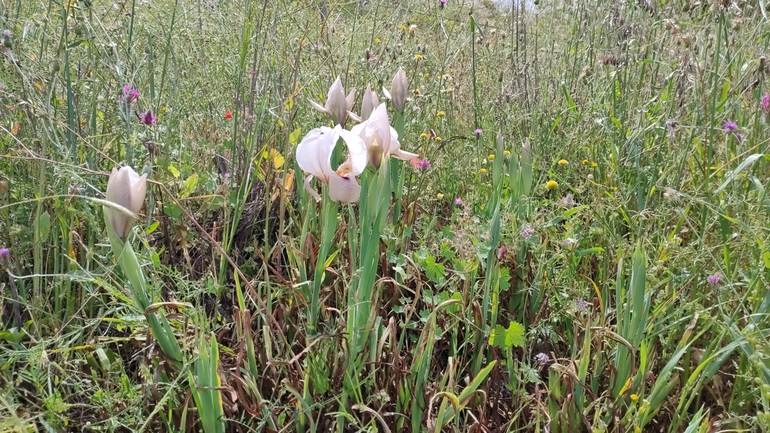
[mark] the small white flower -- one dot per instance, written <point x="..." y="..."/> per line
<point x="314" y="154"/>
<point x="126" y="189"/>
<point x="380" y="138"/>
<point x="337" y="104"/>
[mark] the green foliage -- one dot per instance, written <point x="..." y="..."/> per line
<point x="594" y="258"/>
<point x="506" y="338"/>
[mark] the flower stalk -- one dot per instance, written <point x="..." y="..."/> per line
<point x="125" y="196"/>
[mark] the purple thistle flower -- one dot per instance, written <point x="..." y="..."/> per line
<point x="740" y="136"/>
<point x="459" y="201"/>
<point x="730" y="126"/>
<point x="4" y="253"/>
<point x="442" y="3"/>
<point x="714" y="279"/>
<point x="765" y="104"/>
<point x="130" y="93"/>
<point x="478" y="132"/>
<point x="542" y="358"/>
<point x="502" y="252"/>
<point x="420" y="164"/>
<point x="147" y="118"/>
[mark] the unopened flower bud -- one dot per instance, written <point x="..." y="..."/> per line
<point x="127" y="189"/>
<point x="369" y="103"/>
<point x="398" y="89"/>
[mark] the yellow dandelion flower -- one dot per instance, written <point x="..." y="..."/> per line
<point x="507" y="152"/>
<point x="418" y="56"/>
<point x="439" y="195"/>
<point x="551" y="184"/>
<point x="440" y="114"/>
<point x="585" y="161"/>
<point x="483" y="170"/>
<point x="424" y="135"/>
<point x="594" y="164"/>
<point x="491" y="157"/>
<point x="563" y="162"/>
<point x="438" y="138"/>
<point x="634" y="397"/>
<point x="416" y="91"/>
<point x="377" y="40"/>
<point x="164" y="109"/>
<point x="403" y="28"/>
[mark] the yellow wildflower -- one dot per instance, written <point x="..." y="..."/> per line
<point x="403" y="28"/>
<point x="418" y="56"/>
<point x="491" y="157"/>
<point x="507" y="152"/>
<point x="634" y="397"/>
<point x="563" y="162"/>
<point x="594" y="164"/>
<point x="438" y="138"/>
<point x="440" y="114"/>
<point x="483" y="170"/>
<point x="424" y="135"/>
<point x="439" y="195"/>
<point x="551" y="184"/>
<point x="377" y="40"/>
<point x="585" y="161"/>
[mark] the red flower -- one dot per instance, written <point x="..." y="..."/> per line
<point x="228" y="114"/>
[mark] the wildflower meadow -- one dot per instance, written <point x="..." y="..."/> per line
<point x="384" y="216"/>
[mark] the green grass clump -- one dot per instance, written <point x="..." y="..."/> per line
<point x="581" y="245"/>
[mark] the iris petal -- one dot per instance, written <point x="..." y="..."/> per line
<point x="344" y="189"/>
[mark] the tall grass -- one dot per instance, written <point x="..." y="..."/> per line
<point x="587" y="251"/>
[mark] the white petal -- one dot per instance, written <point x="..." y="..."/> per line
<point x="336" y="104"/>
<point x="350" y="99"/>
<point x="344" y="189"/>
<point x="356" y="151"/>
<point x="380" y="123"/>
<point x="402" y="154"/>
<point x="318" y="106"/>
<point x="314" y="152"/>
<point x="359" y="129"/>
<point x="310" y="189"/>
<point x="396" y="152"/>
<point x="353" y="116"/>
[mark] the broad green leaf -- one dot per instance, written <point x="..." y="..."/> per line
<point x="189" y="186"/>
<point x="294" y="136"/>
<point x="514" y="335"/>
<point x="174" y="172"/>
